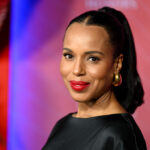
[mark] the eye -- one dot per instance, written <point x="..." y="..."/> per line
<point x="67" y="56"/>
<point x="93" y="59"/>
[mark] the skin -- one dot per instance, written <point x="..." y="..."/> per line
<point x="88" y="56"/>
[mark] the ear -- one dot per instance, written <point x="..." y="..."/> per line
<point x="118" y="63"/>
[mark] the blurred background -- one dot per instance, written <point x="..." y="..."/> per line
<point x="32" y="94"/>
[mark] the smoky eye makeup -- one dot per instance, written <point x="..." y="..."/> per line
<point x="67" y="55"/>
<point x="93" y="58"/>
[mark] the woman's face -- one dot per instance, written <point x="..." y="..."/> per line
<point x="88" y="57"/>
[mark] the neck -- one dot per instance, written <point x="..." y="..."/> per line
<point x="106" y="104"/>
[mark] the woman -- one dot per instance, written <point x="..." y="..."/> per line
<point x="99" y="69"/>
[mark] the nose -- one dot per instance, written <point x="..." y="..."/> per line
<point x="79" y="68"/>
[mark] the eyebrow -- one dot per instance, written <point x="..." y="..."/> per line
<point x="88" y="52"/>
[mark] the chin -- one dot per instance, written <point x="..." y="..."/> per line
<point x="80" y="97"/>
<point x="80" y="100"/>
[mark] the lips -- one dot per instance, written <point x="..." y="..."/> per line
<point x="79" y="85"/>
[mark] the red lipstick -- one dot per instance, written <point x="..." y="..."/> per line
<point x="79" y="85"/>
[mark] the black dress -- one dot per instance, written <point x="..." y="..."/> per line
<point x="109" y="132"/>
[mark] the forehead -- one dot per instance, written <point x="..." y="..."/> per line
<point x="81" y="36"/>
<point x="81" y="28"/>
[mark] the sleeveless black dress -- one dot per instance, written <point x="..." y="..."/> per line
<point x="109" y="132"/>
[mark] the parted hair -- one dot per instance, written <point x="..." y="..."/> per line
<point x="130" y="93"/>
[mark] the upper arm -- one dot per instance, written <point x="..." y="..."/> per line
<point x="55" y="130"/>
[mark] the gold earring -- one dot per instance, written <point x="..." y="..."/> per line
<point x="117" y="79"/>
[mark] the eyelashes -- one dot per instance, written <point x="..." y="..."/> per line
<point x="67" y="56"/>
<point x="92" y="59"/>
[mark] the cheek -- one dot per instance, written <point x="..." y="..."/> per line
<point x="63" y="69"/>
<point x="101" y="71"/>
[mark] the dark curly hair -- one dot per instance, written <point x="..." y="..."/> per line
<point x="130" y="93"/>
